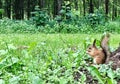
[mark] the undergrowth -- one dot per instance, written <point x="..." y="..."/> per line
<point x="50" y="59"/>
<point x="13" y="26"/>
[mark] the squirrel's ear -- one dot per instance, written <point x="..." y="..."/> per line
<point x="94" y="42"/>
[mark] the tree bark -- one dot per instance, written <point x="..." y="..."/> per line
<point x="106" y="8"/>
<point x="30" y="7"/>
<point x="76" y="4"/>
<point x="84" y="7"/>
<point x="19" y="9"/>
<point x="68" y="9"/>
<point x="0" y="8"/>
<point x="41" y="3"/>
<point x="119" y="6"/>
<point x="57" y="7"/>
<point x="8" y="8"/>
<point x="91" y="10"/>
<point x="114" y="9"/>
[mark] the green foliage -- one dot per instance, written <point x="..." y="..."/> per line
<point x="73" y="26"/>
<point x="11" y="26"/>
<point x="68" y="16"/>
<point x="40" y="17"/>
<point x="104" y="74"/>
<point x="52" y="58"/>
<point x="95" y="19"/>
<point x="94" y="71"/>
<point x="1" y="11"/>
<point x="112" y="27"/>
<point x="68" y="21"/>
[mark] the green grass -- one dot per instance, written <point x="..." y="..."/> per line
<point x="48" y="59"/>
<point x="56" y="40"/>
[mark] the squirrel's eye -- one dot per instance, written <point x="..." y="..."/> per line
<point x="90" y="48"/>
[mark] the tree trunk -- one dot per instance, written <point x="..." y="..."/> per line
<point x="18" y="9"/>
<point x="21" y="9"/>
<point x="57" y="7"/>
<point x="30" y="7"/>
<point x="98" y="4"/>
<point x="114" y="9"/>
<point x="0" y="8"/>
<point x="84" y="7"/>
<point x="8" y="8"/>
<point x="118" y="7"/>
<point x="41" y="3"/>
<point x="91" y="10"/>
<point x="68" y="9"/>
<point x="106" y="8"/>
<point x="76" y="4"/>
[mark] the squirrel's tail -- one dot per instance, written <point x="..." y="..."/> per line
<point x="105" y="45"/>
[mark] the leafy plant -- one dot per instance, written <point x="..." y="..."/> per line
<point x="95" y="19"/>
<point x="40" y="17"/>
<point x="51" y="58"/>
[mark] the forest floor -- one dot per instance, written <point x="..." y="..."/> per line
<point x="50" y="55"/>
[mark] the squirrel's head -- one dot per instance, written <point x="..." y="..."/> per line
<point x="92" y="49"/>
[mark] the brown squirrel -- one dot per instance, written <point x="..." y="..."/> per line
<point x="100" y="55"/>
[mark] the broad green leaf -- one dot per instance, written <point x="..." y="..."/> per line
<point x="109" y="81"/>
<point x="2" y="81"/>
<point x="63" y="81"/>
<point x="37" y="80"/>
<point x="94" y="71"/>
<point x="14" y="80"/>
<point x="3" y="52"/>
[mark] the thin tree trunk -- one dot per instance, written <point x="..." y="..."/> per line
<point x="8" y="8"/>
<point x="119" y="7"/>
<point x="41" y="3"/>
<point x="21" y="9"/>
<point x="0" y="8"/>
<point x="76" y="4"/>
<point x="68" y="9"/>
<point x="57" y="7"/>
<point x="18" y="9"/>
<point x="91" y="10"/>
<point x="98" y="4"/>
<point x="114" y="11"/>
<point x="106" y="8"/>
<point x="30" y="7"/>
<point x="15" y="9"/>
<point x="84" y="7"/>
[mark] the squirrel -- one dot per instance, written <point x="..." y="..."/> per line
<point x="100" y="55"/>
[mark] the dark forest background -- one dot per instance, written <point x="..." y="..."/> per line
<point x="21" y="9"/>
<point x="51" y="16"/>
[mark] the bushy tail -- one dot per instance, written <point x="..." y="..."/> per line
<point x="105" y="45"/>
